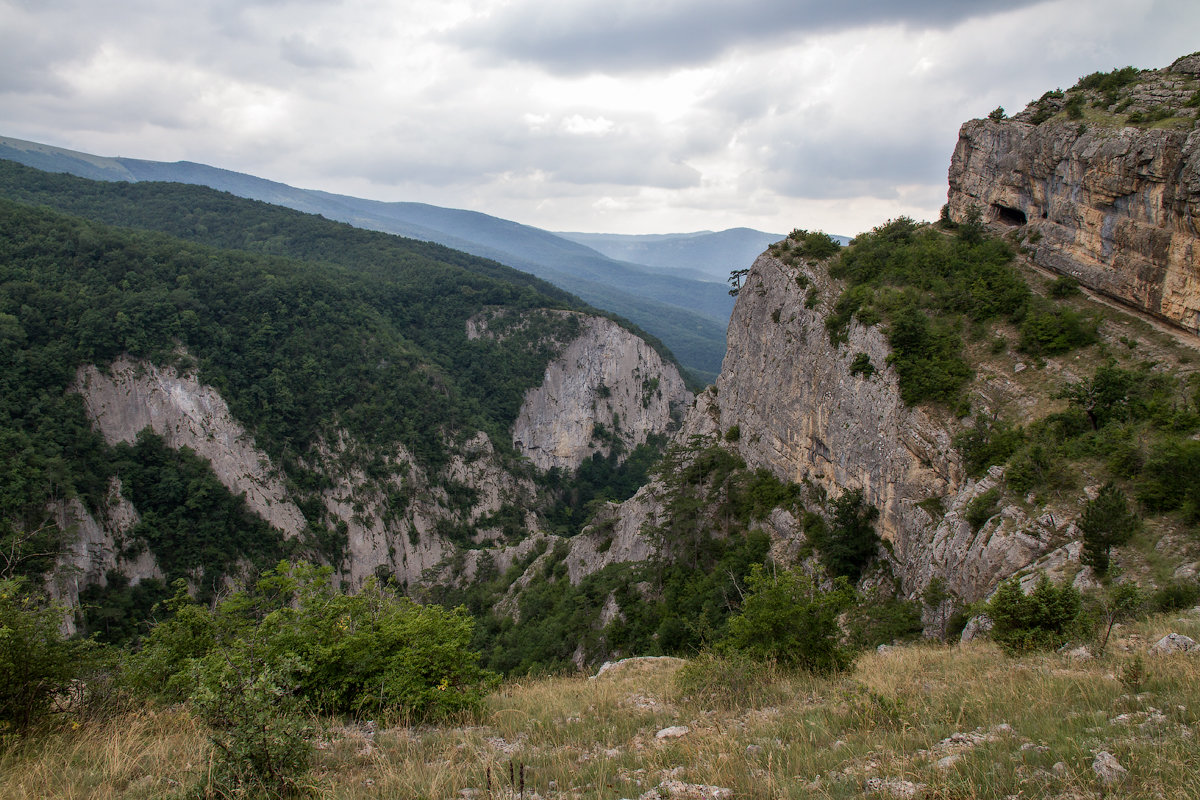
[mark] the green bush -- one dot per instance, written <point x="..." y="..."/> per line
<point x="1109" y="81"/>
<point x="982" y="508"/>
<point x="880" y="620"/>
<point x="261" y="743"/>
<point x="1106" y="522"/>
<point x="849" y="542"/>
<point x="1175" y="596"/>
<point x="1064" y="286"/>
<point x="986" y="444"/>
<point x="1169" y="479"/>
<point x="1044" y="619"/>
<point x="1050" y="330"/>
<point x="37" y="664"/>
<point x="786" y="618"/>
<point x="815" y="244"/>
<point x="861" y="365"/>
<point x="373" y="652"/>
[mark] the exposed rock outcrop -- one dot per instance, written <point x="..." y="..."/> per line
<point x="1113" y="205"/>
<point x="607" y="385"/>
<point x="92" y="550"/>
<point x="404" y="541"/>
<point x="786" y="400"/>
<point x="801" y="413"/>
<point x="131" y="396"/>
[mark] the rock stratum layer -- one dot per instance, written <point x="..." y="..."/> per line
<point x="1111" y="204"/>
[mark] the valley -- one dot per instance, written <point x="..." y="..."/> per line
<point x="380" y="508"/>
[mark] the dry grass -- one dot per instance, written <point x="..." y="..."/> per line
<point x="954" y="722"/>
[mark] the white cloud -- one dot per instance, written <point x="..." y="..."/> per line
<point x="572" y="115"/>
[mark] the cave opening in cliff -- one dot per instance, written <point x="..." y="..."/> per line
<point x="1009" y="215"/>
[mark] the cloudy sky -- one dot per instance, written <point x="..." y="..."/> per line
<point x="627" y="116"/>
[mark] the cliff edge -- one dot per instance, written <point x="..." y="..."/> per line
<point x="1105" y="178"/>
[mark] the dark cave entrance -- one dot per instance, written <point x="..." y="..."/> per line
<point x="1009" y="216"/>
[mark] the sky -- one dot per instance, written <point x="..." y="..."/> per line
<point x="621" y="116"/>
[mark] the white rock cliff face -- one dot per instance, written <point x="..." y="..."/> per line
<point x="801" y="414"/>
<point x="132" y="396"/>
<point x="605" y="377"/>
<point x="804" y="416"/>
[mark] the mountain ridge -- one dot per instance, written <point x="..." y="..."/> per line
<point x="689" y="315"/>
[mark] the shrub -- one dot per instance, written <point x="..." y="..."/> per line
<point x="987" y="444"/>
<point x="997" y="114"/>
<point x="982" y="508"/>
<point x="883" y="620"/>
<point x="849" y="543"/>
<point x="729" y="680"/>
<point x="1119" y="602"/>
<point x="816" y="245"/>
<point x="1064" y="286"/>
<point x="1175" y="596"/>
<point x="261" y="744"/>
<point x="861" y="365"/>
<point x="1169" y="481"/>
<point x="1109" y="81"/>
<point x="786" y="618"/>
<point x="1047" y="330"/>
<point x="368" y="653"/>
<point x="1044" y="619"/>
<point x="1074" y="106"/>
<point x="37" y="664"/>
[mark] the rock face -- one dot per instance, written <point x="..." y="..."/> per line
<point x="132" y="396"/>
<point x="129" y="397"/>
<point x="606" y="385"/>
<point x="92" y="550"/>
<point x="1115" y="206"/>
<point x="786" y="400"/>
<point x="800" y="412"/>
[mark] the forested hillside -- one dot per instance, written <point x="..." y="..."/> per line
<point x="313" y="332"/>
<point x="689" y="313"/>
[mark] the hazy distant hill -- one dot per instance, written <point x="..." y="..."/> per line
<point x="688" y="315"/>
<point x="705" y="255"/>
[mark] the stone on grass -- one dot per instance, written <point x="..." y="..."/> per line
<point x="678" y="790"/>
<point x="1107" y="768"/>
<point x="673" y="732"/>
<point x="1175" y="643"/>
<point x="894" y="787"/>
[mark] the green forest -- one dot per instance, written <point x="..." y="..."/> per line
<point x="305" y="326"/>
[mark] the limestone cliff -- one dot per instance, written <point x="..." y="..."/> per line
<point x="606" y="386"/>
<point x="128" y="397"/>
<point x="787" y="400"/>
<point x="1106" y="199"/>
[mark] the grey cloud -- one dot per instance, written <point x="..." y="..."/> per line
<point x="302" y="52"/>
<point x="626" y="35"/>
<point x="433" y="150"/>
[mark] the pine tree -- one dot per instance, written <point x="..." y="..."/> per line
<point x="1106" y="522"/>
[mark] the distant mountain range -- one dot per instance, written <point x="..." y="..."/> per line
<point x="672" y="285"/>
<point x="704" y="255"/>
